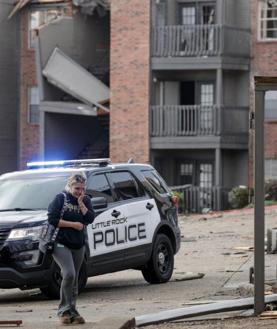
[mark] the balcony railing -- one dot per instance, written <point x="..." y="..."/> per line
<point x="197" y="120"/>
<point x="196" y="198"/>
<point x="199" y="40"/>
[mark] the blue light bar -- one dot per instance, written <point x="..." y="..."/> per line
<point x="69" y="163"/>
<point x="45" y="163"/>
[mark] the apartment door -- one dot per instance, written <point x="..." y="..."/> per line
<point x="198" y="18"/>
<point x="188" y="121"/>
<point x="207" y="18"/>
<point x="205" y="183"/>
<point x="197" y="173"/>
<point x="206" y="98"/>
<point x="197" y="93"/>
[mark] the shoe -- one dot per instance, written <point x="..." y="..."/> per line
<point x="65" y="318"/>
<point x="77" y="318"/>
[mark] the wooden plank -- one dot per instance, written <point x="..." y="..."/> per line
<point x="269" y="313"/>
<point x="198" y="310"/>
<point x="11" y="322"/>
<point x="18" y="6"/>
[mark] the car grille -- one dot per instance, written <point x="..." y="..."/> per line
<point x="4" y="233"/>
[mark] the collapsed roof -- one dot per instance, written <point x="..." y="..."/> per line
<point x="86" y="6"/>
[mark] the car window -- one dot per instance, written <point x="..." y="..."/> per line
<point x="125" y="185"/>
<point x="98" y="186"/>
<point x="154" y="179"/>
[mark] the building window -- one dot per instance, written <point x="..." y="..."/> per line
<point x="188" y="15"/>
<point x="197" y="13"/>
<point x="161" y="8"/>
<point x="268" y="20"/>
<point x="270" y="169"/>
<point x="41" y="17"/>
<point x="207" y="102"/>
<point x="33" y="105"/>
<point x="186" y="173"/>
<point x="271" y="105"/>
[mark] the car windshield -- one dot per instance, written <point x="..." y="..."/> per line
<point x="29" y="192"/>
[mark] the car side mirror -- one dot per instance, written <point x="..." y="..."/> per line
<point x="99" y="202"/>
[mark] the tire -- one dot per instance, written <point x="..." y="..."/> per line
<point x="52" y="291"/>
<point x="160" y="267"/>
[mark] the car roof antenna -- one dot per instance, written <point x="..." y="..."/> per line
<point x="131" y="160"/>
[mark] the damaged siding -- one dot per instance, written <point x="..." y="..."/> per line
<point x="9" y="88"/>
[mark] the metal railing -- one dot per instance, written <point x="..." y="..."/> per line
<point x="196" y="198"/>
<point x="189" y="120"/>
<point x="197" y="120"/>
<point x="199" y="40"/>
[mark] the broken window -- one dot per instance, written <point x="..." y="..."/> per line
<point x="33" y="105"/>
<point x="268" y="20"/>
<point x="39" y="17"/>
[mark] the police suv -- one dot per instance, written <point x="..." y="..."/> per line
<point x="135" y="226"/>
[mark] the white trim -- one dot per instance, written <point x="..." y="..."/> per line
<point x="263" y="5"/>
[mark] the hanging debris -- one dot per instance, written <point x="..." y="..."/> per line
<point x="89" y="6"/>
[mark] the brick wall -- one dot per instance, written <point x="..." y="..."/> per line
<point x="264" y="63"/>
<point x="29" y="133"/>
<point x="129" y="76"/>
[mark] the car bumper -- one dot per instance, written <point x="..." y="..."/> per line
<point x="11" y="278"/>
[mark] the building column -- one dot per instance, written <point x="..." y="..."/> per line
<point x="130" y="80"/>
<point x="220" y="12"/>
<point x="218" y="176"/>
<point x="218" y="167"/>
<point x="219" y="99"/>
<point x="219" y="87"/>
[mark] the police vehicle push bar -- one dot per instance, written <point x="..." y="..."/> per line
<point x="69" y="163"/>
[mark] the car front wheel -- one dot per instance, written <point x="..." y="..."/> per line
<point x="160" y="267"/>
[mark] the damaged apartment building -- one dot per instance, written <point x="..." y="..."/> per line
<point x="63" y="80"/>
<point x="178" y="72"/>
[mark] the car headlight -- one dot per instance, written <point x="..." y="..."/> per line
<point x="26" y="232"/>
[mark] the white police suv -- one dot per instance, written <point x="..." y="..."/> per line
<point x="135" y="226"/>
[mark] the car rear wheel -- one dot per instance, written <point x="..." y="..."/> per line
<point x="160" y="267"/>
<point x="52" y="291"/>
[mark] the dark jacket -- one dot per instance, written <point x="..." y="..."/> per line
<point x="70" y="237"/>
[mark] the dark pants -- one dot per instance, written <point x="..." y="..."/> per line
<point x="70" y="261"/>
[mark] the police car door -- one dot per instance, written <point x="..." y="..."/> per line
<point x="104" y="240"/>
<point x="140" y="213"/>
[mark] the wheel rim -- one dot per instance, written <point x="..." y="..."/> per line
<point x="163" y="258"/>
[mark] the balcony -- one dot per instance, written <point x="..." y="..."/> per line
<point x="171" y="43"/>
<point x="197" y="198"/>
<point x="185" y="123"/>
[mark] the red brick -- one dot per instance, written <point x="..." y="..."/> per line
<point x="263" y="63"/>
<point x="129" y="76"/>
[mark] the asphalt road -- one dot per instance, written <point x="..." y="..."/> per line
<point x="211" y="244"/>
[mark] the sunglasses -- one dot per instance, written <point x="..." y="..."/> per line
<point x="80" y="179"/>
